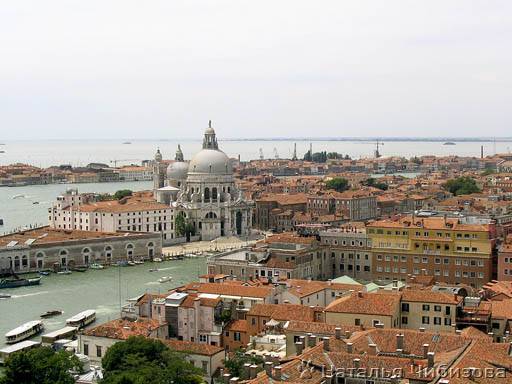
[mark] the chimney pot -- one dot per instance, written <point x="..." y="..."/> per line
<point x="326" y="344"/>
<point x="299" y="347"/>
<point x="372" y="349"/>
<point x="226" y="377"/>
<point x="234" y="380"/>
<point x="350" y="347"/>
<point x="422" y="329"/>
<point x="268" y="368"/>
<point x="400" y="341"/>
<point x="430" y="358"/>
<point x="425" y="350"/>
<point x="277" y="373"/>
<point x="246" y="371"/>
<point x="356" y="363"/>
<point x="347" y="334"/>
<point x="253" y="370"/>
<point x="337" y="331"/>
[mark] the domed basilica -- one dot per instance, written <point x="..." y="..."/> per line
<point x="204" y="191"/>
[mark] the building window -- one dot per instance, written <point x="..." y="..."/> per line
<point x="437" y="308"/>
<point x="86" y="349"/>
<point x="357" y="321"/>
<point x="227" y="333"/>
<point x="426" y="307"/>
<point x="447" y="321"/>
<point x="205" y="366"/>
<point x="236" y="336"/>
<point x="203" y="338"/>
<point x="98" y="351"/>
<point x="425" y="320"/>
<point x="437" y="320"/>
<point x="405" y="307"/>
<point x="405" y="320"/>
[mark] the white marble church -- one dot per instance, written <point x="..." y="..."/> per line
<point x="204" y="191"/>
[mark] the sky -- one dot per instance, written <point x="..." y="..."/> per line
<point x="258" y="69"/>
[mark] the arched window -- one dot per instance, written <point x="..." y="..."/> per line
<point x="214" y="193"/>
<point x="63" y="257"/>
<point x="129" y="251"/>
<point x="151" y="249"/>
<point x="108" y="253"/>
<point x="24" y="262"/>
<point x="207" y="193"/>
<point x="40" y="260"/>
<point x="211" y="215"/>
<point x="86" y="253"/>
<point x="16" y="263"/>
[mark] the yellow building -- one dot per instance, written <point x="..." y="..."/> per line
<point x="441" y="247"/>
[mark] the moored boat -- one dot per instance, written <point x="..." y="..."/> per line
<point x="82" y="319"/>
<point x="53" y="312"/>
<point x="139" y="261"/>
<point x="157" y="260"/>
<point x="14" y="283"/>
<point x="96" y="266"/>
<point x="5" y="297"/>
<point x="131" y="263"/>
<point x="44" y="273"/>
<point x="66" y="272"/>
<point x="24" y="331"/>
<point x="153" y="270"/>
<point x="23" y="346"/>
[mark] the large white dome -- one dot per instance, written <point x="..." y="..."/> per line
<point x="211" y="161"/>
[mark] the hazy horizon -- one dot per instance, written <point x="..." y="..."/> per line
<point x="124" y="69"/>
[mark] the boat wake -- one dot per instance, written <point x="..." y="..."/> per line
<point x="103" y="309"/>
<point x="166" y="269"/>
<point x="153" y="283"/>
<point x="28" y="294"/>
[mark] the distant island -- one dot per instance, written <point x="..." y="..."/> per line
<point x="449" y="143"/>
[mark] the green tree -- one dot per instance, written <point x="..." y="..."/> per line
<point x="461" y="186"/>
<point x="40" y="366"/>
<point x="488" y="171"/>
<point x="334" y="155"/>
<point x="139" y="360"/>
<point x="307" y="156"/>
<point x="338" y="184"/>
<point x="416" y="160"/>
<point x="371" y="182"/>
<point x="319" y="157"/>
<point x="236" y="363"/>
<point x="122" y="193"/>
<point x="179" y="225"/>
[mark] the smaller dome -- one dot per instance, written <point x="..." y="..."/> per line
<point x="158" y="155"/>
<point x="177" y="170"/>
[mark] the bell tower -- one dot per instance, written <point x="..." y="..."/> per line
<point x="210" y="140"/>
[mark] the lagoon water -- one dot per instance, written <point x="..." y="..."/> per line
<point x="80" y="153"/>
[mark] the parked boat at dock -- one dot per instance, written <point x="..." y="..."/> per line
<point x="66" y="272"/>
<point x="96" y="266"/>
<point x="82" y="319"/>
<point x="24" y="331"/>
<point x="2" y="297"/>
<point x="14" y="283"/>
<point x="22" y="346"/>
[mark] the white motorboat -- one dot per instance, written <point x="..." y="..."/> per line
<point x="82" y="319"/>
<point x="164" y="279"/>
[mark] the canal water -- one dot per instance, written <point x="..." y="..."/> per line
<point x="100" y="290"/>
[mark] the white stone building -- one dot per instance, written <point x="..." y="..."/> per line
<point x="204" y="191"/>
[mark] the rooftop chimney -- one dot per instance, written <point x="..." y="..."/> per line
<point x="372" y="349"/>
<point x="226" y="377"/>
<point x="430" y="357"/>
<point x="312" y="340"/>
<point x="299" y="346"/>
<point x="326" y="344"/>
<point x="234" y="380"/>
<point x="277" y="373"/>
<point x="349" y="347"/>
<point x="422" y="329"/>
<point x="253" y="371"/>
<point x="337" y="331"/>
<point x="275" y="359"/>
<point x="268" y="368"/>
<point x="425" y="350"/>
<point x="246" y="371"/>
<point x="356" y="363"/>
<point x="347" y="334"/>
<point x="379" y="325"/>
<point x="400" y="341"/>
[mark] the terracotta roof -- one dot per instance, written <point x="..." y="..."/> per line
<point x="502" y="309"/>
<point x="366" y="303"/>
<point x="318" y="328"/>
<point x="424" y="296"/>
<point x="124" y="329"/>
<point x="237" y="325"/>
<point x="230" y="290"/>
<point x="284" y="312"/>
<point x="428" y="223"/>
<point x="192" y="347"/>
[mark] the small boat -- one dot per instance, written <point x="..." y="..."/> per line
<point x="53" y="312"/>
<point x="66" y="272"/>
<point x="82" y="319"/>
<point x="44" y="273"/>
<point x="127" y="142"/>
<point x="14" y="283"/>
<point x="122" y="263"/>
<point x="154" y="270"/>
<point x="164" y="279"/>
<point x="157" y="260"/>
<point x="35" y="202"/>
<point x="138" y="262"/>
<point x="18" y="196"/>
<point x="24" y="331"/>
<point x="78" y="268"/>
<point x="96" y="266"/>
<point x="131" y="263"/>
<point x="2" y="297"/>
<point x="449" y="143"/>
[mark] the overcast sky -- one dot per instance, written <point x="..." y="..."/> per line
<point x="162" y="69"/>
